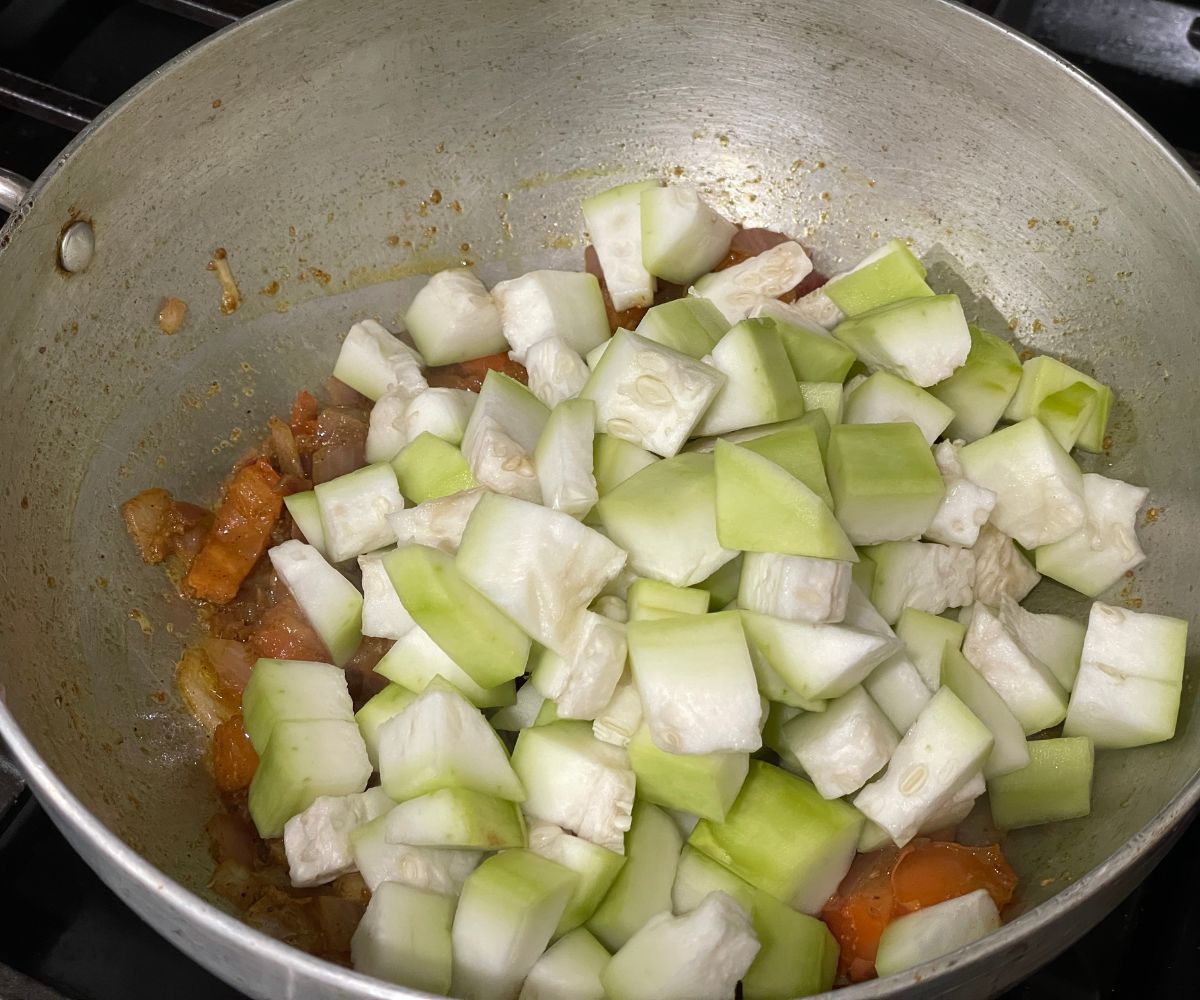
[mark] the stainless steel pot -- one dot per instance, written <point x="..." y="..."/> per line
<point x="309" y="142"/>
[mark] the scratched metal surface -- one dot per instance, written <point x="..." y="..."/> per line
<point x="310" y="142"/>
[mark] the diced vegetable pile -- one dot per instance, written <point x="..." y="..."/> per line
<point x="671" y="650"/>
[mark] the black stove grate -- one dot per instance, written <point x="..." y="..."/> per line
<point x="62" y="61"/>
<point x="1147" y="52"/>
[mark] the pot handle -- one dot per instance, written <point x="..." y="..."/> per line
<point x="13" y="188"/>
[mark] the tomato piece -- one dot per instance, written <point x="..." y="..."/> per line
<point x="886" y="884"/>
<point x="341" y="442"/>
<point x="302" y="422"/>
<point x="195" y="521"/>
<point x="303" y="418"/>
<point x="929" y="872"/>
<point x="469" y="375"/>
<point x="284" y="633"/>
<point x="231" y="661"/>
<point x="234" y="758"/>
<point x="239" y="535"/>
<point x="860" y="910"/>
<point x="161" y="525"/>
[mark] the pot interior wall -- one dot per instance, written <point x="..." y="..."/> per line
<point x="339" y="151"/>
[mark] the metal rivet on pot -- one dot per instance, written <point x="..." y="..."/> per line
<point x="76" y="246"/>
